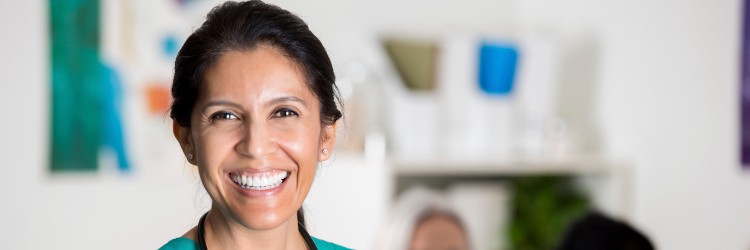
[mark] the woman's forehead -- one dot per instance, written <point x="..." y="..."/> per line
<point x="262" y="73"/>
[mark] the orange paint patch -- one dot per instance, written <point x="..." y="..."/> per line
<point x="158" y="98"/>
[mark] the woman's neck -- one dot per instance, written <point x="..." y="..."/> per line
<point x="224" y="233"/>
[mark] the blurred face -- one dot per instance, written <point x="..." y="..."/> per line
<point x="256" y="137"/>
<point x="439" y="232"/>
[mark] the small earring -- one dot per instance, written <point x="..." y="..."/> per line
<point x="190" y="157"/>
<point x="325" y="151"/>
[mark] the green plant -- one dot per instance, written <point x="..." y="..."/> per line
<point x="542" y="209"/>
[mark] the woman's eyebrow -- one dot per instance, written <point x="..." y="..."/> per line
<point x="284" y="99"/>
<point x="219" y="103"/>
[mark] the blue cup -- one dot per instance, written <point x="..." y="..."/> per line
<point x="497" y="68"/>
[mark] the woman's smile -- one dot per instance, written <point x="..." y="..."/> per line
<point x="258" y="180"/>
<point x="259" y="184"/>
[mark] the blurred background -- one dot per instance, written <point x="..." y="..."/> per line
<point x="522" y="115"/>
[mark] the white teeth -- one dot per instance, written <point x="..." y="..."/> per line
<point x="259" y="181"/>
<point x="264" y="181"/>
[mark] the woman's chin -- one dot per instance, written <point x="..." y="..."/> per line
<point x="263" y="221"/>
<point x="263" y="208"/>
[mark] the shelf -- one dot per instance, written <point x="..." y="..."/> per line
<point x="483" y="168"/>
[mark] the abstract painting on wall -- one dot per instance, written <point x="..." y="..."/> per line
<point x="85" y="105"/>
<point x="110" y="68"/>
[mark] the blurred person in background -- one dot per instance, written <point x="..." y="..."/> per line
<point x="595" y="231"/>
<point x="255" y="109"/>
<point x="423" y="219"/>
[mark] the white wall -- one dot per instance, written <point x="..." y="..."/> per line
<point x="668" y="103"/>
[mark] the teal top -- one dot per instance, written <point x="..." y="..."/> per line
<point x="183" y="243"/>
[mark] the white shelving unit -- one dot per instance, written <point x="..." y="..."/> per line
<point x="606" y="181"/>
<point x="484" y="167"/>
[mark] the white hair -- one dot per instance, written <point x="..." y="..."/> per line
<point x="413" y="206"/>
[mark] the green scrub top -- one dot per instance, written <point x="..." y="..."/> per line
<point x="183" y="243"/>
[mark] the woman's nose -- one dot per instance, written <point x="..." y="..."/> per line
<point x="256" y="141"/>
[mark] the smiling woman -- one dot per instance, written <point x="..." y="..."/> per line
<point x="255" y="108"/>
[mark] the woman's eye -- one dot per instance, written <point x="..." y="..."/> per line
<point x="223" y="116"/>
<point x="285" y="113"/>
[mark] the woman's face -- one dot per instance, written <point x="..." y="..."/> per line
<point x="256" y="137"/>
<point x="439" y="232"/>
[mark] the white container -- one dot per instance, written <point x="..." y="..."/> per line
<point x="484" y="210"/>
<point x="473" y="123"/>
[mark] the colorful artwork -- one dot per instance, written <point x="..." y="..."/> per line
<point x="110" y="74"/>
<point x="86" y="94"/>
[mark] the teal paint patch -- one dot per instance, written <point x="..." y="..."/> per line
<point x="86" y="95"/>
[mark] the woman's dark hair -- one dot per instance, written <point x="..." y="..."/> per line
<point x="244" y="26"/>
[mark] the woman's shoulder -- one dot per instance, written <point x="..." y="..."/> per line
<point x="327" y="245"/>
<point x="181" y="243"/>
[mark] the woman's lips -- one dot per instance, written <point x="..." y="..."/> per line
<point x="265" y="180"/>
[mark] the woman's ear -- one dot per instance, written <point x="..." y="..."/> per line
<point x="183" y="136"/>
<point x="328" y="140"/>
